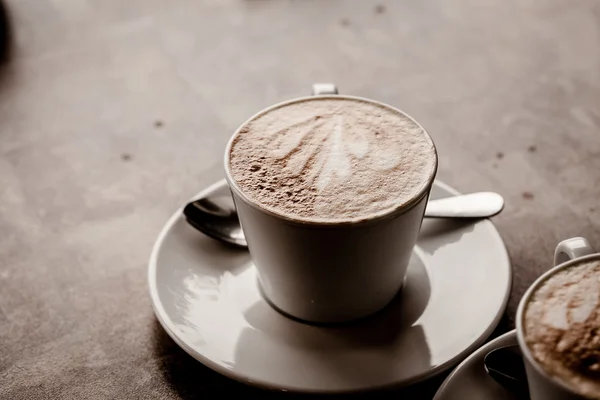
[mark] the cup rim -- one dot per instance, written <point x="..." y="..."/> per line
<point x="521" y="311"/>
<point x="336" y="223"/>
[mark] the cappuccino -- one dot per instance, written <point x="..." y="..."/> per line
<point x="562" y="327"/>
<point x="332" y="159"/>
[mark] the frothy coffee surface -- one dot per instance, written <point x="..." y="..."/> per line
<point x="562" y="327"/>
<point x="332" y="160"/>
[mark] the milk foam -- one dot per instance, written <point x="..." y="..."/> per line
<point x="332" y="159"/>
<point x="562" y="327"/>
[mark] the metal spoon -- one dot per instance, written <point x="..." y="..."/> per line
<point x="505" y="366"/>
<point x="215" y="214"/>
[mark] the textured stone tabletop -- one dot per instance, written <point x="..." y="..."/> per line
<point x="113" y="113"/>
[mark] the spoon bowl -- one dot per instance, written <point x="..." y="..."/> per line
<point x="505" y="365"/>
<point x="215" y="216"/>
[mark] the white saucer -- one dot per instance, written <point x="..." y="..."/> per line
<point x="205" y="296"/>
<point x="470" y="381"/>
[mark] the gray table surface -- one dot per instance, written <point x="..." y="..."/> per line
<point x="113" y="113"/>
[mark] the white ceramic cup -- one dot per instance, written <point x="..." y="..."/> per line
<point x="542" y="386"/>
<point x="326" y="273"/>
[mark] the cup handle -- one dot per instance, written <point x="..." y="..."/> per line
<point x="320" y="89"/>
<point x="572" y="248"/>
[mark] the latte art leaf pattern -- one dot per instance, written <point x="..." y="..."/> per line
<point x="288" y="139"/>
<point x="331" y="159"/>
<point x="581" y="307"/>
<point x="574" y="306"/>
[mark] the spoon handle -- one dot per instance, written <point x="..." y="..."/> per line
<point x="474" y="205"/>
